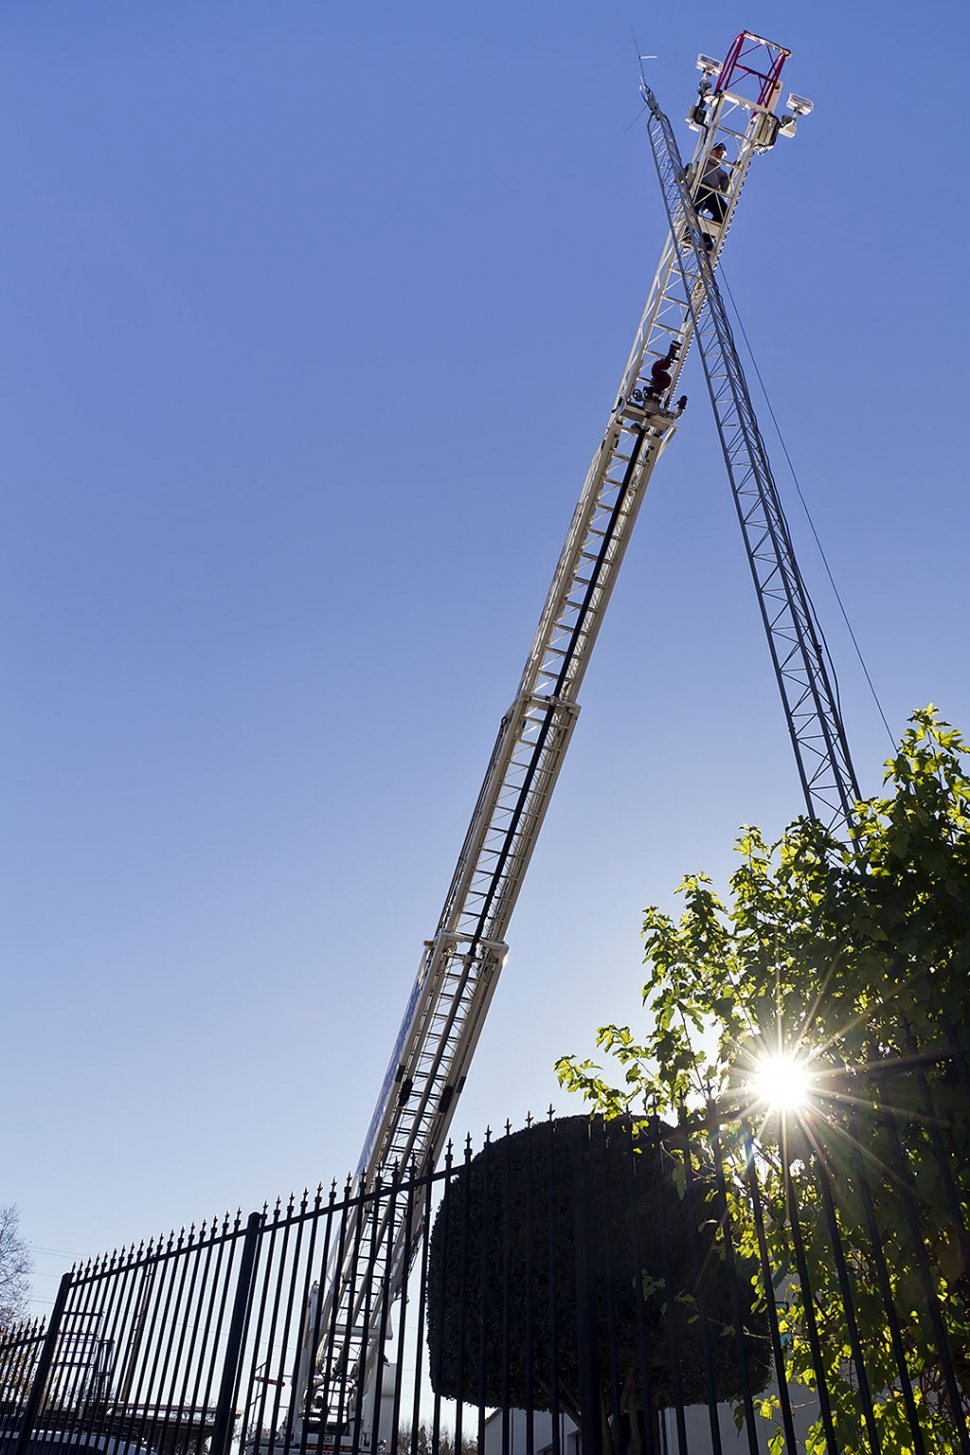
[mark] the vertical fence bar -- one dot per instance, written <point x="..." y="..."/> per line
<point x="808" y="1304"/>
<point x="180" y="1370"/>
<point x="601" y="1215"/>
<point x="162" y="1393"/>
<point x="308" y="1319"/>
<point x="295" y="1304"/>
<point x="553" y="1301"/>
<point x="506" y="1292"/>
<point x="669" y="1291"/>
<point x="926" y="1276"/>
<point x="602" y="1167"/>
<point x="208" y="1289"/>
<point x="422" y="1310"/>
<point x="483" y="1271"/>
<point x="291" y="1258"/>
<point x="357" y="1208"/>
<point x="403" y="1298"/>
<point x="113" y="1305"/>
<point x="693" y="1223"/>
<point x="331" y="1361"/>
<point x="731" y="1268"/>
<point x="886" y="1290"/>
<point x="848" y="1303"/>
<point x="37" y="1389"/>
<point x="66" y="1387"/>
<point x="254" y="1408"/>
<point x="390" y="1233"/>
<point x="436" y="1383"/>
<point x="221" y="1283"/>
<point x="91" y="1318"/>
<point x="639" y="1296"/>
<point x="62" y="1399"/>
<point x="157" y="1333"/>
<point x="306" y="1360"/>
<point x="139" y="1295"/>
<point x="223" y="1424"/>
<point x="147" y="1350"/>
<point x="781" y="1374"/>
<point x="530" y="1431"/>
<point x="371" y="1212"/>
<point x="932" y="1122"/>
<point x="591" y="1442"/>
<point x="462" y="1181"/>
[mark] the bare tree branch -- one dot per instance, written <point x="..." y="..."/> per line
<point x="15" y="1267"/>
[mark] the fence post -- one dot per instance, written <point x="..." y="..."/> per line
<point x="590" y="1434"/>
<point x="42" y="1372"/>
<point x="224" y="1420"/>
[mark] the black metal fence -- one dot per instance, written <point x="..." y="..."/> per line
<point x="575" y="1288"/>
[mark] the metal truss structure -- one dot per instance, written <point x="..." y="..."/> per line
<point x="810" y="703"/>
<point x="462" y="962"/>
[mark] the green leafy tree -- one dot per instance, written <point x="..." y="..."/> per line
<point x="843" y="966"/>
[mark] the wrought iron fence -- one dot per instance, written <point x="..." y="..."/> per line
<point x="575" y="1288"/>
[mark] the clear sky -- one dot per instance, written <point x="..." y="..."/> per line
<point x="313" y="314"/>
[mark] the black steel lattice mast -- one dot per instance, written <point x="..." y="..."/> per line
<point x="808" y="697"/>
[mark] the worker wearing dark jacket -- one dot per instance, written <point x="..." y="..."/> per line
<point x="660" y="375"/>
<point x="713" y="185"/>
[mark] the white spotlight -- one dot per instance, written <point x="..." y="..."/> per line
<point x="708" y="65"/>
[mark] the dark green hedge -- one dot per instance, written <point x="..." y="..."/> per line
<point x="507" y="1226"/>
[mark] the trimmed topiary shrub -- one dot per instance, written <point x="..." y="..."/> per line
<point x="504" y="1282"/>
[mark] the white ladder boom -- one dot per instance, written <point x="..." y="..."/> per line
<point x="460" y="966"/>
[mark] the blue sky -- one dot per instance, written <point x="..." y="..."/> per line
<point x="312" y="317"/>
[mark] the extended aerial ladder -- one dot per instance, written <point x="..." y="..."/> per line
<point x="737" y="105"/>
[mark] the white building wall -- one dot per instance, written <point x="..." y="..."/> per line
<point x="696" y="1419"/>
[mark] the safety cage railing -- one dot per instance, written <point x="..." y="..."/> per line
<point x="703" y="1283"/>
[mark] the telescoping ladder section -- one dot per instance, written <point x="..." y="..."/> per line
<point x="461" y="964"/>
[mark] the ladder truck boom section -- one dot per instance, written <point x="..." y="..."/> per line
<point x="460" y="965"/>
<point x="736" y="109"/>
